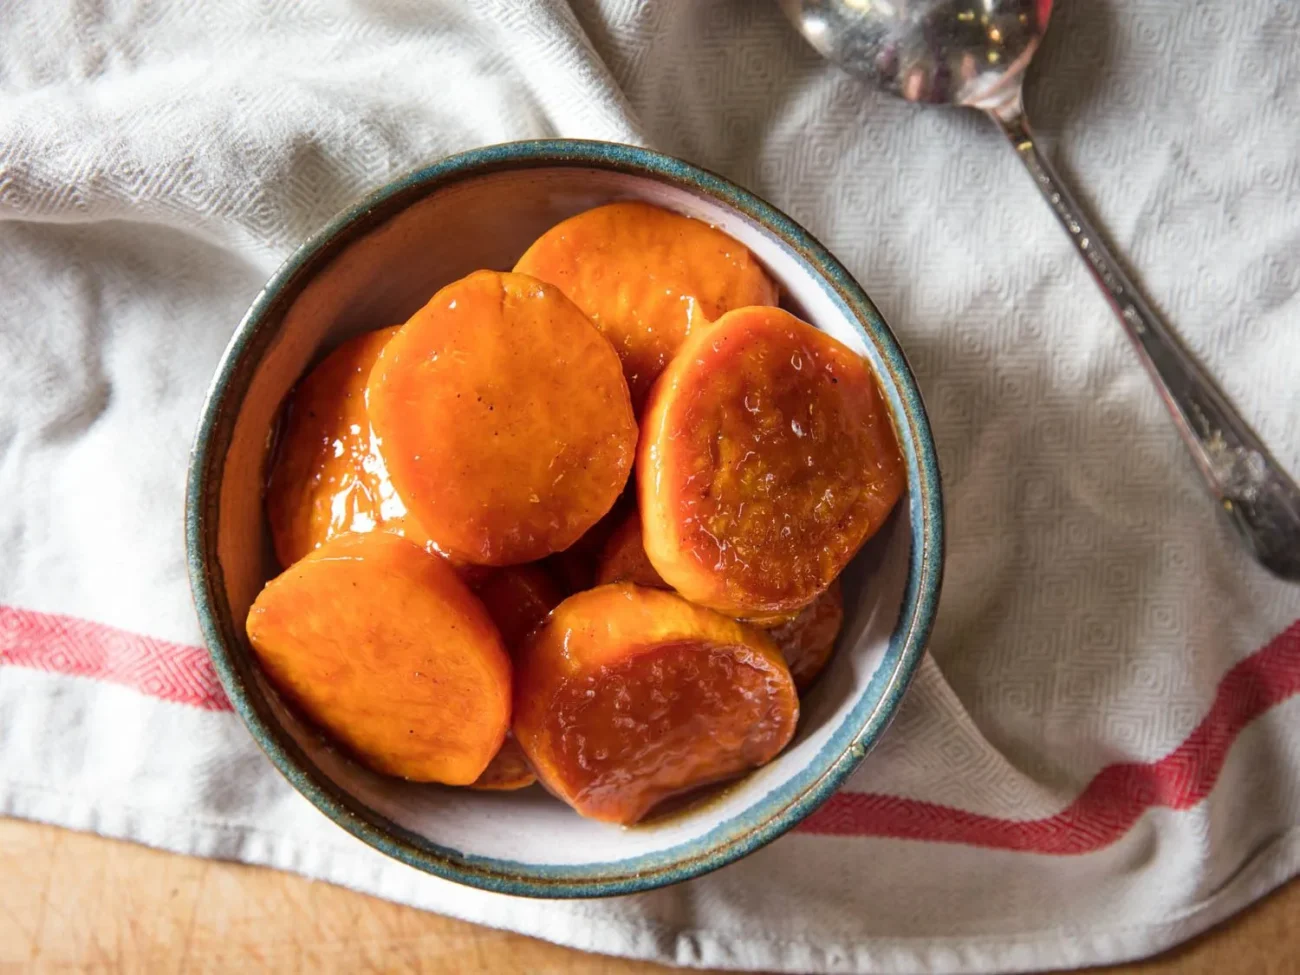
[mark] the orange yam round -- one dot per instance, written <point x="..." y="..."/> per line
<point x="504" y="419"/>
<point x="767" y="458"/>
<point x="624" y="558"/>
<point x="808" y="641"/>
<point x="327" y="477"/>
<point x="628" y="696"/>
<point x="381" y="644"/>
<point x="647" y="277"/>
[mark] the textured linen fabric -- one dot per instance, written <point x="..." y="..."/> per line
<point x="1101" y="755"/>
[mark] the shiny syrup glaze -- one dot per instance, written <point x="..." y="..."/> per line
<point x="647" y="277"/>
<point x="327" y="476"/>
<point x="666" y="721"/>
<point x="779" y="459"/>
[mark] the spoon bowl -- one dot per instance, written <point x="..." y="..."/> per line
<point x="955" y="52"/>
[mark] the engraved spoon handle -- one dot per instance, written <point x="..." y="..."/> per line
<point x="1260" y="499"/>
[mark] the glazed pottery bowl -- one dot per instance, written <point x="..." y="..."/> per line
<point x="374" y="266"/>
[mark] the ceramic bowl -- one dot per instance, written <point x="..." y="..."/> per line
<point x="374" y="266"/>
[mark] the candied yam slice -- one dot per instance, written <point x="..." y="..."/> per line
<point x="628" y="696"/>
<point x="382" y="645"/>
<point x="509" y="770"/>
<point x="624" y="558"/>
<point x="504" y="419"/>
<point x="327" y="477"/>
<point x="767" y="458"/>
<point x="808" y="641"/>
<point x="518" y="598"/>
<point x="647" y="277"/>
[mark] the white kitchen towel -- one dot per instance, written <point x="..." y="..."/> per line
<point x="1102" y="755"/>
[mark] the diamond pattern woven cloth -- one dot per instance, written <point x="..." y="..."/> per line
<point x="1101" y="755"/>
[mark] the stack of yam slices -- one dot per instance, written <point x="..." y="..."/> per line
<point x="580" y="523"/>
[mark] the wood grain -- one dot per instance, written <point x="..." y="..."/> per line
<point x="72" y="902"/>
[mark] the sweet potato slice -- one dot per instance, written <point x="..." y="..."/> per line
<point x="504" y="419"/>
<point x="624" y="558"/>
<point x="327" y="477"/>
<point x="647" y="277"/>
<point x="808" y="641"/>
<point x="768" y="457"/>
<point x="381" y="644"/>
<point x="627" y="696"/>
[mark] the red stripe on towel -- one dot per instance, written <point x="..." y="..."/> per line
<point x="1109" y="806"/>
<point x="1114" y="800"/>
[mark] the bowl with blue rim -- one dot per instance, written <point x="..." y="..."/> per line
<point x="378" y="262"/>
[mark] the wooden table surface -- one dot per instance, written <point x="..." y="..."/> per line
<point x="75" y="902"/>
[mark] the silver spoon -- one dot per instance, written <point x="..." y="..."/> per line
<point x="974" y="53"/>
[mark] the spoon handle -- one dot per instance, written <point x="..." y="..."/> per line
<point x="1258" y="496"/>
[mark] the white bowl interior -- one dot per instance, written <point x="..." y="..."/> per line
<point x="381" y="279"/>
